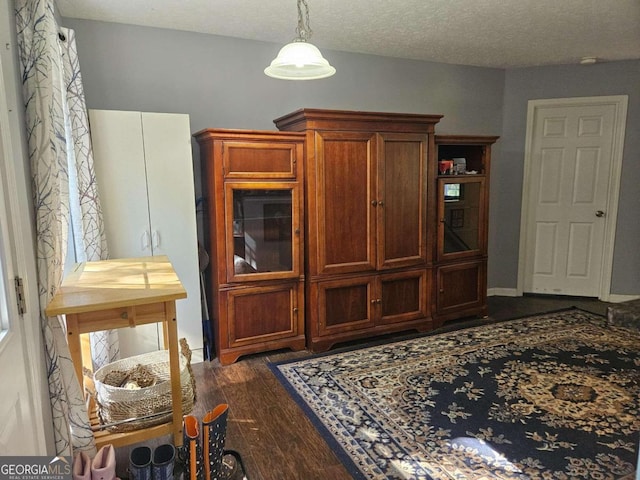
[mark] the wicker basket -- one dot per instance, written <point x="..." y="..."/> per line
<point x="122" y="409"/>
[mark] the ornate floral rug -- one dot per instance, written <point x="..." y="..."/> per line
<point x="554" y="396"/>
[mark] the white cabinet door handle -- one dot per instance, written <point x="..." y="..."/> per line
<point x="155" y="236"/>
<point x="144" y="240"/>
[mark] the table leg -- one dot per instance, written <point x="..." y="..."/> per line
<point x="75" y="348"/>
<point x="174" y="367"/>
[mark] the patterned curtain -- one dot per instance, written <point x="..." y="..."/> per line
<point x="86" y="217"/>
<point x="45" y="86"/>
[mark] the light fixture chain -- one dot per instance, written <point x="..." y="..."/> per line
<point x="303" y="30"/>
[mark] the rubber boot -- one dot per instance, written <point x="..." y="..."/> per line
<point x="140" y="463"/>
<point x="214" y="433"/>
<point x="103" y="466"/>
<point x="164" y="458"/>
<point x="81" y="467"/>
<point x="192" y="451"/>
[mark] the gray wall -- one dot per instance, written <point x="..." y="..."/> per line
<point x="219" y="82"/>
<point x="522" y="85"/>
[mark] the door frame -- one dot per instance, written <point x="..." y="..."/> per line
<point x="620" y="103"/>
<point x="20" y="264"/>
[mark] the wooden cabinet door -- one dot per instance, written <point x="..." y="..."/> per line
<point x="401" y="200"/>
<point x="258" y="315"/>
<point x="460" y="287"/>
<point x="345" y="305"/>
<point x="341" y="192"/>
<point x="403" y="296"/>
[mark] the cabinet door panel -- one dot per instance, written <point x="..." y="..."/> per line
<point x="462" y="217"/>
<point x="345" y="189"/>
<point x="118" y="152"/>
<point x="172" y="213"/>
<point x="461" y="286"/>
<point x="262" y="314"/>
<point x="404" y="296"/>
<point x="402" y="200"/>
<point x="346" y="305"/>
<point x="262" y="227"/>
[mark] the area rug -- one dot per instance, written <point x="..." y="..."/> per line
<point x="554" y="396"/>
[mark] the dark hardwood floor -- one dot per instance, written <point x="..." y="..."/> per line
<point x="275" y="438"/>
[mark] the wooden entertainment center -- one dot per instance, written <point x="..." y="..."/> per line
<point x="339" y="226"/>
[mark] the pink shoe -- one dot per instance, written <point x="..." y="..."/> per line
<point x="81" y="467"/>
<point x="103" y="466"/>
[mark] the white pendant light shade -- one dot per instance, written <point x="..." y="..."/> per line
<point x="299" y="61"/>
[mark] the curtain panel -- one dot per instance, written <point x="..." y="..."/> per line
<point x="65" y="200"/>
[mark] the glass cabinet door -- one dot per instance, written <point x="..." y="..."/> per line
<point x="461" y="211"/>
<point x="262" y="231"/>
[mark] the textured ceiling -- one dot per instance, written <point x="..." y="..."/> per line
<point x="492" y="33"/>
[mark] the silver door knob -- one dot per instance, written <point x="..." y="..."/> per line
<point x="599" y="213"/>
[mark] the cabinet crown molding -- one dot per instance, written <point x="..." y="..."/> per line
<point x="311" y="118"/>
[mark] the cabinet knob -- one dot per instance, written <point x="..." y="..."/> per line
<point x="378" y="301"/>
<point x="295" y="310"/>
<point x="381" y="203"/>
<point x="374" y="203"/>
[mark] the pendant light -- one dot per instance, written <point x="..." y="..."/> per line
<point x="300" y="60"/>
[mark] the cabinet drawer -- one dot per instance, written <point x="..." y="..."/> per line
<point x="246" y="159"/>
<point x="121" y="317"/>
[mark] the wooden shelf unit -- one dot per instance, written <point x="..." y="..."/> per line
<point x="254" y="231"/>
<point x="461" y="229"/>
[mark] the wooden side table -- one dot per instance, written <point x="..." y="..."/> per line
<point x="119" y="293"/>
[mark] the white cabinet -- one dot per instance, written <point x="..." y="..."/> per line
<point x="144" y="172"/>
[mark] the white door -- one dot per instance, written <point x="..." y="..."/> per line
<point x="116" y="138"/>
<point x="19" y="433"/>
<point x="572" y="170"/>
<point x="172" y="212"/>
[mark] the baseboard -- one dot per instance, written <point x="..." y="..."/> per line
<point x="615" y="298"/>
<point x="197" y="355"/>
<point x="502" y="292"/>
<point x="512" y="292"/>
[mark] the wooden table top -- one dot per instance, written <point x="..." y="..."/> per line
<point x="124" y="282"/>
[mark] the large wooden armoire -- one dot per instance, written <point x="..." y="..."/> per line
<point x="340" y="227"/>
<point x="368" y="252"/>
